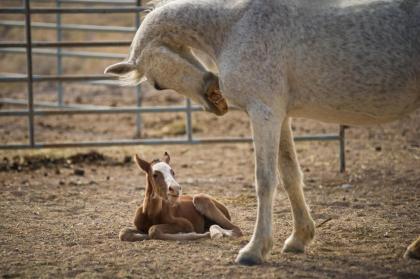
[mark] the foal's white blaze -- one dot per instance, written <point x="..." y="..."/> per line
<point x="170" y="181"/>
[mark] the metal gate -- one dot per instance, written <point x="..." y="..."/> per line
<point x="30" y="48"/>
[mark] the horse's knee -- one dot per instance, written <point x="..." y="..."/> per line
<point x="154" y="232"/>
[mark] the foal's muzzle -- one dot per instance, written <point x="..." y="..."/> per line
<point x="174" y="190"/>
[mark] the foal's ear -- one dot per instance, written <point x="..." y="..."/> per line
<point x="166" y="158"/>
<point x="142" y="164"/>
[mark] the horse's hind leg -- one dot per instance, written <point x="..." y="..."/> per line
<point x="214" y="211"/>
<point x="413" y="251"/>
<point x="304" y="226"/>
<point x="131" y="235"/>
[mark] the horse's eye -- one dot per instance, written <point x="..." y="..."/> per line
<point x="173" y="173"/>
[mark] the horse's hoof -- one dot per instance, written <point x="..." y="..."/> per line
<point x="254" y="252"/>
<point x="248" y="259"/>
<point x="293" y="245"/>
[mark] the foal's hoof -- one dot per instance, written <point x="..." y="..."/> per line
<point x="216" y="232"/>
<point x="126" y="234"/>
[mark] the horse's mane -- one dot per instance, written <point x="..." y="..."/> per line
<point x="154" y="4"/>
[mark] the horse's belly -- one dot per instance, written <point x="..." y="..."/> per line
<point x="357" y="109"/>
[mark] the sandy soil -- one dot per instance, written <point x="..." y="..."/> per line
<point x="61" y="210"/>
<point x="57" y="223"/>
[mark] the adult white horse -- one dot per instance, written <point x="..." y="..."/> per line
<point x="349" y="62"/>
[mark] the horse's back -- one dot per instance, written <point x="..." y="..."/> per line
<point x="352" y="62"/>
<point x="358" y="64"/>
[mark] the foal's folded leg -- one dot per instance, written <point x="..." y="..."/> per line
<point x="131" y="235"/>
<point x="174" y="232"/>
<point x="208" y="207"/>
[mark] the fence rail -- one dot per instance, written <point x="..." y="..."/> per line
<point x="59" y="108"/>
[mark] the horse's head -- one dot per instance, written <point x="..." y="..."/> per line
<point x="160" y="177"/>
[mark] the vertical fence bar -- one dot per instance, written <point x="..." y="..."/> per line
<point x="29" y="72"/>
<point x="342" y="135"/>
<point x="138" y="88"/>
<point x="59" y="65"/>
<point x="188" y="123"/>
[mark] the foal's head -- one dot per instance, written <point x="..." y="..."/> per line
<point x="160" y="176"/>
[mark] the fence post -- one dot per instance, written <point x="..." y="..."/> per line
<point x="138" y="88"/>
<point x="29" y="72"/>
<point x="59" y="57"/>
<point x="342" y="136"/>
<point x="188" y="121"/>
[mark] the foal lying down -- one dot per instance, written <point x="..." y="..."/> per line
<point x="168" y="215"/>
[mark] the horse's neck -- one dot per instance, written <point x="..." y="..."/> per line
<point x="201" y="25"/>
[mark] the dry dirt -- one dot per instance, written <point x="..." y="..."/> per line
<point x="61" y="210"/>
<point x="56" y="223"/>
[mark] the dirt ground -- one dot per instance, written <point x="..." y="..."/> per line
<point x="55" y="223"/>
<point x="61" y="209"/>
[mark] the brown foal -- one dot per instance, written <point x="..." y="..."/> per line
<point x="168" y="215"/>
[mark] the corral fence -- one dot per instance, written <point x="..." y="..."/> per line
<point x="31" y="48"/>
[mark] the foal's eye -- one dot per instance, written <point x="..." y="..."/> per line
<point x="155" y="175"/>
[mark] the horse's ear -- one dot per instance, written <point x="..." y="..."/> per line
<point x="120" y="68"/>
<point x="166" y="158"/>
<point x="142" y="164"/>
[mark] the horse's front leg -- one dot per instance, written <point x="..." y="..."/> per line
<point x="266" y="127"/>
<point x="304" y="226"/>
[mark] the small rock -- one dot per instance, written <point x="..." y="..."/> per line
<point x="80" y="172"/>
<point x="346" y="186"/>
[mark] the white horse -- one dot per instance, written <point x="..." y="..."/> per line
<point x="341" y="61"/>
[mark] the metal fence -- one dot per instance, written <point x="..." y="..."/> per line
<point x="30" y="48"/>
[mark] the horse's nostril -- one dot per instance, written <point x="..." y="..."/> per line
<point x="171" y="189"/>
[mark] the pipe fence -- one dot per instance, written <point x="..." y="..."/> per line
<point x="30" y="48"/>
